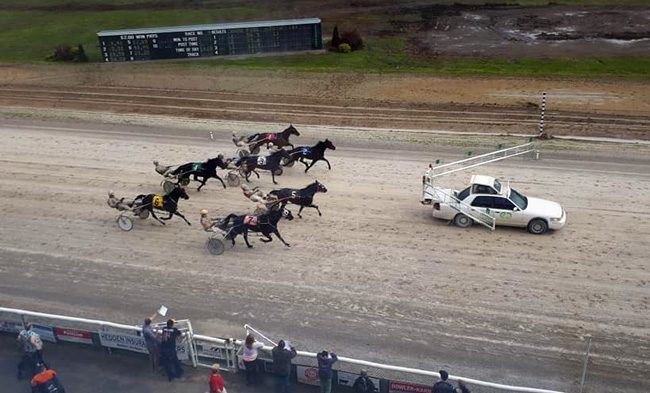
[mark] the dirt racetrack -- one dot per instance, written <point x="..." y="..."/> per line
<point x="375" y="277"/>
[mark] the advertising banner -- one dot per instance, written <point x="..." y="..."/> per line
<point x="131" y="342"/>
<point x="207" y="350"/>
<point x="74" y="336"/>
<point x="400" y="387"/>
<point x="347" y="379"/>
<point x="45" y="332"/>
<point x="11" y="326"/>
<point x="308" y="375"/>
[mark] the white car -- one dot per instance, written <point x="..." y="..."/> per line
<point x="487" y="199"/>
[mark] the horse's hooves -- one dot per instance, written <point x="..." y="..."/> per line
<point x="288" y="245"/>
<point x="250" y="246"/>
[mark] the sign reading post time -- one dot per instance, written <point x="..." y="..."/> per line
<point x="210" y="40"/>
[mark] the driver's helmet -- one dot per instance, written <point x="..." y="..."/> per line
<point x="204" y="212"/>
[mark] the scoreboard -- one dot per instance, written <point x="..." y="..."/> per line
<point x="181" y="42"/>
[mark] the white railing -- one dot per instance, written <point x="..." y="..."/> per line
<point x="231" y="347"/>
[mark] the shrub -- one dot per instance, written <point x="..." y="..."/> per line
<point x="70" y="53"/>
<point x="352" y="38"/>
<point x="345" y="48"/>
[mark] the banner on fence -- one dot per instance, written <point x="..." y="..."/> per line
<point x="74" y="336"/>
<point x="11" y="326"/>
<point x="347" y="379"/>
<point x="45" y="332"/>
<point x="210" y="351"/>
<point x="308" y="375"/>
<point x="401" y="387"/>
<point x="131" y="342"/>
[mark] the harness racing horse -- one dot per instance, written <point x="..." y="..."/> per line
<point x="265" y="224"/>
<point x="314" y="153"/>
<point x="303" y="197"/>
<point x="271" y="163"/>
<point x="204" y="170"/>
<point x="168" y="203"/>
<point x="278" y="139"/>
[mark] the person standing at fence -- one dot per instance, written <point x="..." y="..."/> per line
<point x="152" y="342"/>
<point x="216" y="381"/>
<point x="325" y="362"/>
<point x="363" y="384"/>
<point x="32" y="347"/>
<point x="46" y="381"/>
<point x="282" y="355"/>
<point x="249" y="356"/>
<point x="443" y="386"/>
<point x="168" y="356"/>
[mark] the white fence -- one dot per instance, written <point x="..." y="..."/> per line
<point x="201" y="351"/>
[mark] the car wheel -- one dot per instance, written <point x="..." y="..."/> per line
<point x="537" y="226"/>
<point x="463" y="221"/>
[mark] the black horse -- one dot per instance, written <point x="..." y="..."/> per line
<point x="314" y="153"/>
<point x="279" y="139"/>
<point x="271" y="163"/>
<point x="204" y="170"/>
<point x="303" y="197"/>
<point x="265" y="224"/>
<point x="168" y="203"/>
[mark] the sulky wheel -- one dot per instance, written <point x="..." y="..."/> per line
<point x="288" y="162"/>
<point x="143" y="214"/>
<point x="168" y="186"/>
<point x="243" y="153"/>
<point x="255" y="150"/>
<point x="184" y="181"/>
<point x="125" y="223"/>
<point x="215" y="246"/>
<point x="233" y="180"/>
<point x="278" y="172"/>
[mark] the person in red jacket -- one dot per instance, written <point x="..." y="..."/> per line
<point x="45" y="381"/>
<point x="216" y="381"/>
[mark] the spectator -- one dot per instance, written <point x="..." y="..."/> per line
<point x="363" y="384"/>
<point x="46" y="381"/>
<point x="325" y="362"/>
<point x="462" y="387"/>
<point x="216" y="381"/>
<point x="32" y="347"/>
<point x="168" y="356"/>
<point x="152" y="341"/>
<point x="443" y="386"/>
<point x="282" y="355"/>
<point x="249" y="355"/>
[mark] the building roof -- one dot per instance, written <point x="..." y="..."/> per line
<point x="216" y="26"/>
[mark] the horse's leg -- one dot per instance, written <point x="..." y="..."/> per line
<point x="256" y="173"/>
<point x="300" y="210"/>
<point x="302" y="159"/>
<point x="310" y="165"/>
<point x="291" y="144"/>
<point x="268" y="237"/>
<point x="205" y="180"/>
<point x="168" y="218"/>
<point x="155" y="216"/>
<point x="275" y="230"/>
<point x="183" y="217"/>
<point x="246" y="237"/>
<point x="273" y="176"/>
<point x="315" y="207"/>
<point x="328" y="163"/>
<point x="221" y="180"/>
<point x="248" y="174"/>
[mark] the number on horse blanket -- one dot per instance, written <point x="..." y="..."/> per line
<point x="157" y="201"/>
<point x="250" y="220"/>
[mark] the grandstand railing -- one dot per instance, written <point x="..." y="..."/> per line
<point x="205" y="350"/>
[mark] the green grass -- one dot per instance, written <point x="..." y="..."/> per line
<point x="391" y="56"/>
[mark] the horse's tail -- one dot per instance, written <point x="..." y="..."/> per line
<point x="226" y="220"/>
<point x="251" y="138"/>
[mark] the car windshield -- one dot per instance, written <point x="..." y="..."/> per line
<point x="463" y="194"/>
<point x="497" y="185"/>
<point x="518" y="199"/>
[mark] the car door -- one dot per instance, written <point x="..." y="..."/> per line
<point x="504" y="212"/>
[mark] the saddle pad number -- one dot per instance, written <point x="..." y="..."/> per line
<point x="270" y="136"/>
<point x="196" y="166"/>
<point x="157" y="201"/>
<point x="261" y="160"/>
<point x="250" y="220"/>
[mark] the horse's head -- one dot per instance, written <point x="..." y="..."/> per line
<point x="320" y="187"/>
<point x="292" y="130"/>
<point x="328" y="144"/>
<point x="182" y="193"/>
<point x="219" y="161"/>
<point x="286" y="213"/>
